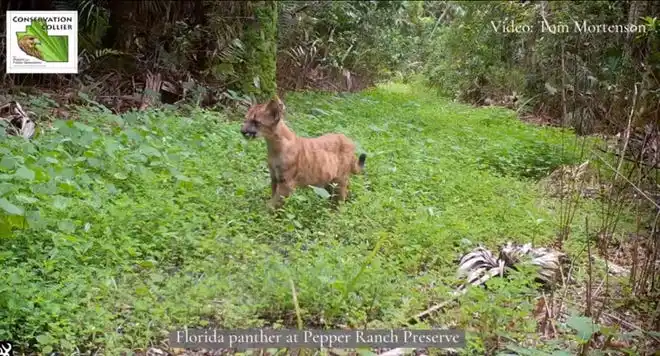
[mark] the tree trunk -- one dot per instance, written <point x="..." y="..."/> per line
<point x="261" y="47"/>
<point x="114" y="23"/>
<point x="637" y="10"/>
<point x="43" y="5"/>
<point x="200" y="15"/>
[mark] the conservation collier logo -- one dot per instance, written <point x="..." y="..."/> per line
<point x="42" y="42"/>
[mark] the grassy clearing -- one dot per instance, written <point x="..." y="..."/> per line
<point x="139" y="225"/>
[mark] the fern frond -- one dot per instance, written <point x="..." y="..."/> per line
<point x="87" y="58"/>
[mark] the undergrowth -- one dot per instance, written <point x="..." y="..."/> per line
<point x="117" y="230"/>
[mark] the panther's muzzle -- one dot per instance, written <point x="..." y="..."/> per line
<point x="249" y="134"/>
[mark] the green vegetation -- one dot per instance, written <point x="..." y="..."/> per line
<point x="139" y="224"/>
<point x="118" y="226"/>
<point x="596" y="72"/>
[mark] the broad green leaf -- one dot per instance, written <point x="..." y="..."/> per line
<point x="66" y="226"/>
<point x="68" y="173"/>
<point x="24" y="173"/>
<point x="584" y="326"/>
<point x="26" y="199"/>
<point x="44" y="339"/>
<point x="149" y="150"/>
<point x="8" y="162"/>
<point x="82" y="126"/>
<point x="34" y="220"/>
<point x="10" y="208"/>
<point x="60" y="202"/>
<point x="321" y="192"/>
<point x="147" y="264"/>
<point x="6" y="188"/>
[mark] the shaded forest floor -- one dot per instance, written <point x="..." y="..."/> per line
<point x="138" y="225"/>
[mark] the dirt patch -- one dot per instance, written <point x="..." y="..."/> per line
<point x="540" y="120"/>
<point x="568" y="180"/>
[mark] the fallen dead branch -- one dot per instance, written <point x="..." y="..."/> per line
<point x="19" y="121"/>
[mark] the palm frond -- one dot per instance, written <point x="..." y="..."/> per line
<point x="89" y="11"/>
<point x="88" y="58"/>
<point x="479" y="265"/>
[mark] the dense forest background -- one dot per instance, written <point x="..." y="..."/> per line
<point x="213" y="52"/>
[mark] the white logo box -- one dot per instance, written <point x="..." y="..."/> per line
<point x="59" y="23"/>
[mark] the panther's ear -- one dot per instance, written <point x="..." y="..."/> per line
<point x="275" y="101"/>
<point x="276" y="107"/>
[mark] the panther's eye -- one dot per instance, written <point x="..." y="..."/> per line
<point x="256" y="123"/>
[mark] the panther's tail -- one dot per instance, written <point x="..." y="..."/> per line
<point x="358" y="165"/>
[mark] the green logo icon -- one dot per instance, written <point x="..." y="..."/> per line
<point x="36" y="42"/>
